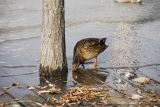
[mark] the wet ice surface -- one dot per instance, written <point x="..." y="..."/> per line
<point x="132" y="32"/>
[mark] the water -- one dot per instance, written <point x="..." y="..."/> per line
<point x="132" y="32"/>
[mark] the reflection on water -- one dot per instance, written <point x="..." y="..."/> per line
<point x="59" y="82"/>
<point x="127" y="74"/>
<point x="31" y="100"/>
<point x="89" y="76"/>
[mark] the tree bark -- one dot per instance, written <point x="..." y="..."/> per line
<point x="53" y="60"/>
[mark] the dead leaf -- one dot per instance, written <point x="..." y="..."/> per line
<point x="158" y="97"/>
<point x="44" y="87"/>
<point x="76" y="94"/>
<point x="104" y="100"/>
<point x="39" y="104"/>
<point x="138" y="91"/>
<point x="51" y="85"/>
<point x="136" y="97"/>
<point x="30" y="87"/>
<point x="153" y="100"/>
<point x="45" y="105"/>
<point x="37" y="87"/>
<point x="16" y="84"/>
<point x="16" y="99"/>
<point x="2" y="104"/>
<point x="34" y="87"/>
<point x="43" y="92"/>
<point x="142" y="80"/>
<point x="47" y="81"/>
<point x="54" y="90"/>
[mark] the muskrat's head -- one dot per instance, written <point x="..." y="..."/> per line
<point x="75" y="63"/>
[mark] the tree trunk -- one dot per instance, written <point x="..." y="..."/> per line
<point x="53" y="51"/>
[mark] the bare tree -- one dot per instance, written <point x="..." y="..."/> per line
<point x="53" y="60"/>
